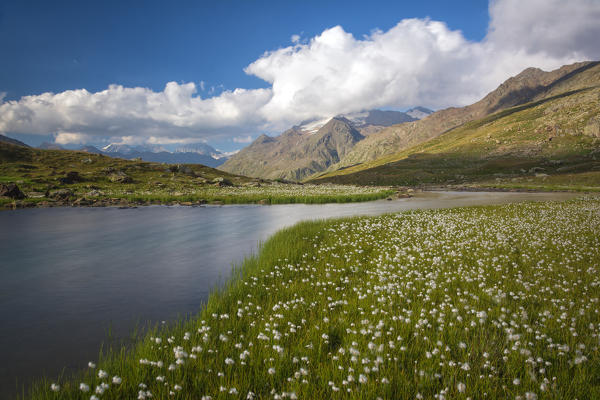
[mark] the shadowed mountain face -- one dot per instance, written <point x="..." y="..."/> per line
<point x="295" y="154"/>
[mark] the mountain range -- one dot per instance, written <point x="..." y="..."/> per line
<point x="313" y="146"/>
<point x="363" y="138"/>
<point x="197" y="153"/>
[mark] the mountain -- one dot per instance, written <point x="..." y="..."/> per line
<point x="517" y="90"/>
<point x="6" y="139"/>
<point x="296" y="153"/>
<point x="91" y="149"/>
<point x="378" y="118"/>
<point x="127" y="149"/>
<point x="552" y="136"/>
<point x="419" y="112"/>
<point x="199" y="148"/>
<point x="191" y="154"/>
<point x="310" y="147"/>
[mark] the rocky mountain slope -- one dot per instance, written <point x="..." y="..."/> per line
<point x="295" y="154"/>
<point x="313" y="146"/>
<point x="550" y="142"/>
<point x="517" y="90"/>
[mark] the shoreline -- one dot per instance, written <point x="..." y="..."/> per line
<point x="389" y="194"/>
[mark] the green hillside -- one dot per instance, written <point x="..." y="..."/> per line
<point x="551" y="143"/>
<point x="62" y="177"/>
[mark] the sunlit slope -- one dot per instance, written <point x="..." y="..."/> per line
<point x="530" y="85"/>
<point x="557" y="135"/>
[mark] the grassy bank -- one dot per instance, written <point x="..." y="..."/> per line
<point x="484" y="302"/>
<point x="62" y="178"/>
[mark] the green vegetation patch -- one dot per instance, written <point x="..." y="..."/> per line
<point x="484" y="302"/>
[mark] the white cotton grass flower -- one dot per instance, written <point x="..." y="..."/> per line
<point x="271" y="371"/>
<point x="461" y="387"/>
<point x="102" y="374"/>
<point x="55" y="387"/>
<point x="516" y="381"/>
<point x="91" y="365"/>
<point x="84" y="388"/>
<point x="116" y="380"/>
<point x="94" y="397"/>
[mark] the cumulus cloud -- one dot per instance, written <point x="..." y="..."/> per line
<point x="176" y="112"/>
<point x="71" y="138"/>
<point x="417" y="62"/>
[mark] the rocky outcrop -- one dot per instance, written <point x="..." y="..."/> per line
<point x="11" y="191"/>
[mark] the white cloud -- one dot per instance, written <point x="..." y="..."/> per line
<point x="71" y="138"/>
<point x="417" y="62"/>
<point x="118" y="111"/>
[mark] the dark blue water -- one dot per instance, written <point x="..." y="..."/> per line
<point x="69" y="276"/>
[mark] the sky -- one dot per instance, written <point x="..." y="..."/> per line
<point x="224" y="72"/>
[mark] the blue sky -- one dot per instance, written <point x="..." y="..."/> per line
<point x="224" y="72"/>
<point x="50" y="46"/>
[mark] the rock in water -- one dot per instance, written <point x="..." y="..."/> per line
<point x="11" y="190"/>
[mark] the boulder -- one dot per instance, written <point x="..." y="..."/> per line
<point x="120" y="177"/>
<point x="70" y="177"/>
<point x="12" y="191"/>
<point x="220" y="181"/>
<point x="61" y="194"/>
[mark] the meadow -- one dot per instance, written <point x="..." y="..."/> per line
<point x="497" y="302"/>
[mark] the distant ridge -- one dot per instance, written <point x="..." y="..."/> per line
<point x="6" y="139"/>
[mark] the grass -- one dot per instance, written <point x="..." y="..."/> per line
<point x="40" y="174"/>
<point x="483" y="302"/>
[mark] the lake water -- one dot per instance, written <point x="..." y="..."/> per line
<point x="69" y="276"/>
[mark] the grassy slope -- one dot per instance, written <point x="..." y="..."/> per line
<point x="38" y="171"/>
<point x="500" y="150"/>
<point x="502" y="299"/>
